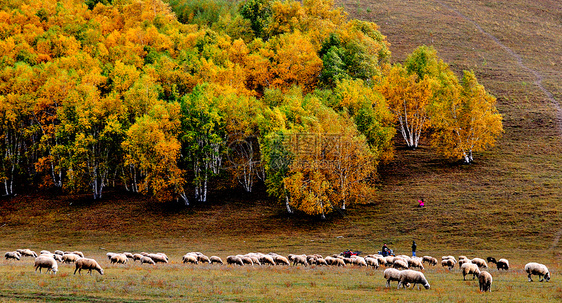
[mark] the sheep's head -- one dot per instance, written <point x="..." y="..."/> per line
<point x="547" y="276"/>
<point x="100" y="270"/>
<point x="426" y="285"/>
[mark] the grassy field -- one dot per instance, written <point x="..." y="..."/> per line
<point x="508" y="204"/>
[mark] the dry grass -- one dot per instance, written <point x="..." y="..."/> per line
<point x="507" y="204"/>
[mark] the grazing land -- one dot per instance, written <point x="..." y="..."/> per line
<point x="507" y="204"/>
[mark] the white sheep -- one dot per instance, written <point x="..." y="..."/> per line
<point x="89" y="264"/>
<point x="537" y="269"/>
<point x="45" y="252"/>
<point x="430" y="260"/>
<point x="391" y="274"/>
<point x="78" y="253"/>
<point x="280" y="260"/>
<point x="110" y="255"/>
<point x="204" y="259"/>
<point x="322" y="261"/>
<point x="502" y="264"/>
<point x="215" y="259"/>
<point x="485" y="281"/>
<point x="470" y="268"/>
<point x="128" y="255"/>
<point x="415" y="262"/>
<point x="448" y="263"/>
<point x="27" y="253"/>
<point x="400" y="264"/>
<point x="372" y="262"/>
<point x="69" y="258"/>
<point x="267" y="259"/>
<point x="190" y="258"/>
<point x="146" y="259"/>
<point x="480" y="262"/>
<point x="463" y="261"/>
<point x="57" y="258"/>
<point x="12" y="255"/>
<point x="235" y="260"/>
<point x="137" y="257"/>
<point x="158" y="258"/>
<point x="119" y="259"/>
<point x="59" y="252"/>
<point x="414" y="277"/>
<point x="46" y="262"/>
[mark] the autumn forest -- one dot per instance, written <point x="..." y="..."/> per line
<point x="170" y="98"/>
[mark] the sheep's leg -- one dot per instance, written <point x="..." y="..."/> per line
<point x="541" y="278"/>
<point x="530" y="280"/>
<point x="388" y="283"/>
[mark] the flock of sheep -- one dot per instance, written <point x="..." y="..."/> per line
<point x="399" y="268"/>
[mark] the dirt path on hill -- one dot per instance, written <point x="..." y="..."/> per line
<point x="538" y="77"/>
<point x="538" y="82"/>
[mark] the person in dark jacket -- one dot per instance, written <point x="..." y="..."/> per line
<point x="385" y="250"/>
<point x="414" y="246"/>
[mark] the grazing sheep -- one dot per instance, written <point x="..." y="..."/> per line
<point x="338" y="262"/>
<point x="69" y="258"/>
<point x="413" y="263"/>
<point x="372" y="262"/>
<point x="45" y="252"/>
<point x="502" y="264"/>
<point x="203" y="259"/>
<point x="463" y="261"/>
<point x="128" y="255"/>
<point x="89" y="264"/>
<point x="158" y="258"/>
<point x="391" y="274"/>
<point x="46" y="262"/>
<point x="137" y="257"/>
<point x="234" y="260"/>
<point x="463" y="257"/>
<point x="485" y="281"/>
<point x="59" y="252"/>
<point x="414" y="277"/>
<point x="267" y="259"/>
<point x="57" y="258"/>
<point x="12" y="255"/>
<point x="110" y="255"/>
<point x="280" y="260"/>
<point x="537" y="269"/>
<point x="215" y="259"/>
<point x="78" y="253"/>
<point x="480" y="262"/>
<point x="165" y="256"/>
<point x="190" y="258"/>
<point x="448" y="263"/>
<point x="400" y="264"/>
<point x="359" y="261"/>
<point x="119" y="259"/>
<point x="322" y="261"/>
<point x="430" y="260"/>
<point x="491" y="260"/>
<point x="27" y="253"/>
<point x="145" y="259"/>
<point x="389" y="260"/>
<point x="299" y="259"/>
<point x="470" y="268"/>
<point x="449" y="258"/>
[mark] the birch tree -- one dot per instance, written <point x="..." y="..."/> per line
<point x="465" y="119"/>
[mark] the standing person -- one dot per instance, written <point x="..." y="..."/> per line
<point x="414" y="246"/>
<point x="421" y="203"/>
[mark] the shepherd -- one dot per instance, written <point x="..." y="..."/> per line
<point x="421" y="203"/>
<point x="414" y="246"/>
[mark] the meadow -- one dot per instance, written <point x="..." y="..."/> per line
<point x="507" y="204"/>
